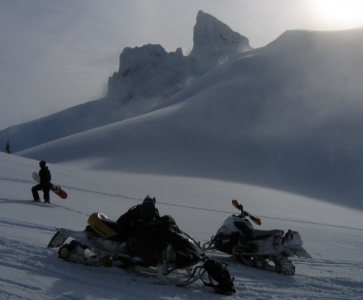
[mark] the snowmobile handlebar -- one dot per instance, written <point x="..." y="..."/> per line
<point x="245" y="213"/>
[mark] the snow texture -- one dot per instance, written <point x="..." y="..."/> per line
<point x="29" y="270"/>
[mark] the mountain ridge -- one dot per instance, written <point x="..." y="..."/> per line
<point x="147" y="75"/>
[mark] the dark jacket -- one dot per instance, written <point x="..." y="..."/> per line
<point x="45" y="176"/>
<point x="134" y="216"/>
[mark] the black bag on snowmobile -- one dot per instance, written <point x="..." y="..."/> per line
<point x="218" y="272"/>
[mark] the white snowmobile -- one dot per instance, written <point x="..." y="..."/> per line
<point x="262" y="249"/>
<point x="160" y="244"/>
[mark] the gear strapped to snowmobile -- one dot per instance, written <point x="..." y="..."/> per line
<point x="159" y="244"/>
<point x="264" y="249"/>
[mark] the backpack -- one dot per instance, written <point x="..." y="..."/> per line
<point x="218" y="272"/>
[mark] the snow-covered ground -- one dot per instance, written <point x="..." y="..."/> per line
<point x="333" y="235"/>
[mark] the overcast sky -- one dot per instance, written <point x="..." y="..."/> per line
<point x="57" y="54"/>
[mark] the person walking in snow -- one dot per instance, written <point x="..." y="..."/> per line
<point x="44" y="184"/>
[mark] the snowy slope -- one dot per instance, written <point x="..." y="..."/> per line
<point x="280" y="116"/>
<point x="146" y="75"/>
<point x="287" y="116"/>
<point x="331" y="234"/>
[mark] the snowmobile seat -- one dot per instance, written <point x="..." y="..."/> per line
<point x="103" y="226"/>
<point x="260" y="234"/>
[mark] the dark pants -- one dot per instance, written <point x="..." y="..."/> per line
<point x="39" y="187"/>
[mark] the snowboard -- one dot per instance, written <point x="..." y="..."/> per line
<point x="56" y="189"/>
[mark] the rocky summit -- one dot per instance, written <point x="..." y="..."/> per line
<point x="149" y="71"/>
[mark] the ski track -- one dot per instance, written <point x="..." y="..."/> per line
<point x="168" y="204"/>
<point x="15" y="180"/>
<point x="7" y="222"/>
<point x="51" y="205"/>
<point x="201" y="208"/>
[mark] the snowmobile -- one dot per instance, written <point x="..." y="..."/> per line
<point x="262" y="249"/>
<point x="160" y="244"/>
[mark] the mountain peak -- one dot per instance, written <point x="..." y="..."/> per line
<point x="215" y="39"/>
<point x="151" y="72"/>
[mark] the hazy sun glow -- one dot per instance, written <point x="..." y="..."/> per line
<point x="344" y="11"/>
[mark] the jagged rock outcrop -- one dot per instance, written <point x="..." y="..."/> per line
<point x="149" y="71"/>
<point x="214" y="41"/>
<point x="146" y="72"/>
